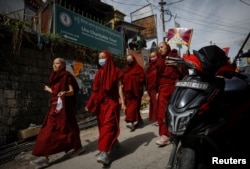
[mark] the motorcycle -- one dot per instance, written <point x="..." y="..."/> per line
<point x="207" y="112"/>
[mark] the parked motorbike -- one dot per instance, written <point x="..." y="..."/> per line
<point x="208" y="113"/>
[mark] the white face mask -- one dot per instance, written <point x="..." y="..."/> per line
<point x="102" y="61"/>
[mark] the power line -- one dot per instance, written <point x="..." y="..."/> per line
<point x="125" y="3"/>
<point x="213" y="25"/>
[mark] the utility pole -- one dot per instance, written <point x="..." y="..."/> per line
<point x="162" y="3"/>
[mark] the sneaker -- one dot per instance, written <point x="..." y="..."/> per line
<point x="130" y="126"/>
<point x="103" y="158"/>
<point x="163" y="141"/>
<point x="40" y="162"/>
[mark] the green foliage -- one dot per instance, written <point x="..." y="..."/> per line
<point x="17" y="26"/>
<point x="144" y="106"/>
<point x="51" y="37"/>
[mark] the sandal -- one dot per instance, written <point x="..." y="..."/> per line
<point x="163" y="141"/>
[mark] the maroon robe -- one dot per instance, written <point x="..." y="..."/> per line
<point x="60" y="131"/>
<point x="104" y="102"/>
<point x="167" y="77"/>
<point x="151" y="77"/>
<point x="133" y="83"/>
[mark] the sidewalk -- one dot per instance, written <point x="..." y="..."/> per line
<point x="138" y="151"/>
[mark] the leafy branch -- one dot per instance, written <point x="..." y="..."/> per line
<point x="52" y="39"/>
<point x="17" y="27"/>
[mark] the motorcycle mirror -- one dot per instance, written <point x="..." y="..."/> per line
<point x="245" y="55"/>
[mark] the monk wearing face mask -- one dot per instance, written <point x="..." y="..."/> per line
<point x="133" y="86"/>
<point x="104" y="102"/>
<point x="151" y="77"/>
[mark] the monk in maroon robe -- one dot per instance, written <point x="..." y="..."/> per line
<point x="133" y="83"/>
<point x="151" y="77"/>
<point x="104" y="102"/>
<point x="169" y="73"/>
<point x="60" y="131"/>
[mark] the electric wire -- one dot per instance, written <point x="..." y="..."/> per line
<point x="213" y="25"/>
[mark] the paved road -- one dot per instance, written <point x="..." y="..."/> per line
<point x="138" y="151"/>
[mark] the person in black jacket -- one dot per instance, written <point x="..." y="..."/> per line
<point x="138" y="42"/>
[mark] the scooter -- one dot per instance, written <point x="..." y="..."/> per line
<point x="207" y="111"/>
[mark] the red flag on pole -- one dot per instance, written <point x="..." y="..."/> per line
<point x="226" y="50"/>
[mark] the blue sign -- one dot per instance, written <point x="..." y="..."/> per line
<point x="81" y="30"/>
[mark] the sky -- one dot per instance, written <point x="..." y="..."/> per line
<point x="225" y="23"/>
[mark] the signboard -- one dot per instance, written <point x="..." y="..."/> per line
<point x="149" y="23"/>
<point x="78" y="29"/>
<point x="145" y="18"/>
<point x="142" y="13"/>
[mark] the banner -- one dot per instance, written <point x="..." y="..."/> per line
<point x="181" y="36"/>
<point x="84" y="74"/>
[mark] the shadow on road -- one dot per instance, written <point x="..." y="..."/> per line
<point x="130" y="145"/>
<point x="90" y="147"/>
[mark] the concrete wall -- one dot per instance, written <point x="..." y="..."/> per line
<point x="22" y="99"/>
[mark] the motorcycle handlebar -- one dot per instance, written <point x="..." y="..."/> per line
<point x="192" y="66"/>
<point x="245" y="55"/>
<point x="181" y="61"/>
<point x="174" y="59"/>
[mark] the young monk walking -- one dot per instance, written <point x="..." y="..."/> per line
<point x="60" y="131"/>
<point x="104" y="102"/>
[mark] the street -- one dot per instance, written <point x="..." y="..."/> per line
<point x="137" y="151"/>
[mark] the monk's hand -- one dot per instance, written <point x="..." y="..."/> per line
<point x="47" y="88"/>
<point x="61" y="94"/>
<point x="123" y="107"/>
<point x="86" y="109"/>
